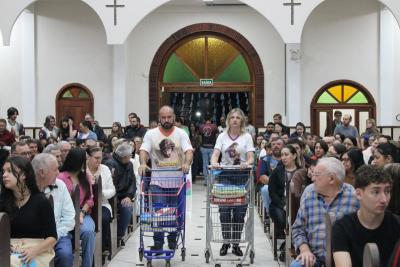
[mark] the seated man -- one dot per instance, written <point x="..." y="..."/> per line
<point x="328" y="194"/>
<point x="46" y="171"/>
<point x="372" y="223"/>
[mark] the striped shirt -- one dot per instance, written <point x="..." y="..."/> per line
<point x="309" y="226"/>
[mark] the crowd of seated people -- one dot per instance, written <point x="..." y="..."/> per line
<point x="352" y="177"/>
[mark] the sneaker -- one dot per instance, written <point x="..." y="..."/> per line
<point x="122" y="243"/>
<point x="172" y="246"/>
<point x="224" y="249"/>
<point x="236" y="250"/>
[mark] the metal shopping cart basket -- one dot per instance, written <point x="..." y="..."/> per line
<point x="162" y="213"/>
<point x="230" y="213"/>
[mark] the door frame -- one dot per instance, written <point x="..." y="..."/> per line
<point x="59" y="100"/>
<point x="156" y="87"/>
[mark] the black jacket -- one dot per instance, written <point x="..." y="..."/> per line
<point x="131" y="132"/>
<point x="276" y="186"/>
<point x="123" y="177"/>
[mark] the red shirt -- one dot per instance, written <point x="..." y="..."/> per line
<point x="7" y="138"/>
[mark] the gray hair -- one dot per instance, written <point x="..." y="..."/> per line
<point x="50" y="148"/>
<point x="42" y="161"/>
<point x="124" y="150"/>
<point x="334" y="166"/>
<point x="61" y="143"/>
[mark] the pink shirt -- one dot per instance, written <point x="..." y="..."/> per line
<point x="66" y="178"/>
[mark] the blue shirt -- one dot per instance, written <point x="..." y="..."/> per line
<point x="309" y="226"/>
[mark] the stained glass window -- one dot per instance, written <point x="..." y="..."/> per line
<point x="342" y="94"/>
<point x="206" y="58"/>
<point x="75" y="93"/>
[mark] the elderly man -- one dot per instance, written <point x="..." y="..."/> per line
<point x="65" y="147"/>
<point x="328" y="194"/>
<point x="46" y="171"/>
<point x="22" y="149"/>
<point x="55" y="150"/>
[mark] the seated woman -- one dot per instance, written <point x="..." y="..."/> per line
<point x="67" y="129"/>
<point x="384" y="154"/>
<point x="73" y="173"/>
<point x="352" y="160"/>
<point x="31" y="214"/>
<point x="278" y="182"/>
<point x="394" y="170"/>
<point x="236" y="147"/>
<point x="320" y="149"/>
<point x="97" y="169"/>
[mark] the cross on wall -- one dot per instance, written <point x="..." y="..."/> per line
<point x="115" y="6"/>
<point x="292" y="4"/>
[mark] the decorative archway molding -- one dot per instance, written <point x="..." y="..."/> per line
<point x="130" y="16"/>
<point x="249" y="53"/>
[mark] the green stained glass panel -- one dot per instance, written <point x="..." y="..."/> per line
<point x="83" y="94"/>
<point x="326" y="98"/>
<point x="67" y="94"/>
<point x="237" y="71"/>
<point x="176" y="71"/>
<point x="359" y="98"/>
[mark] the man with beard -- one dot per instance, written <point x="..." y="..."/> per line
<point x="267" y="165"/>
<point x="164" y="183"/>
<point x="270" y="129"/>
<point x="135" y="129"/>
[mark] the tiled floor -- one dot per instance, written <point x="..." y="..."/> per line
<point x="195" y="240"/>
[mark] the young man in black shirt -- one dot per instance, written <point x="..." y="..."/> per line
<point x="370" y="224"/>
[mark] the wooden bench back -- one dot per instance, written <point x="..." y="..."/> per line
<point x="328" y="240"/>
<point x="76" y="200"/>
<point x="4" y="240"/>
<point x="371" y="255"/>
<point x="97" y="215"/>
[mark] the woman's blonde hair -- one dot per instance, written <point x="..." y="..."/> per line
<point x="241" y="115"/>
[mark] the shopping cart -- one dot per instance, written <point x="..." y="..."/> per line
<point x="230" y="213"/>
<point x="162" y="213"/>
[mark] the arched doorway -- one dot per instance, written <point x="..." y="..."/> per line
<point x="207" y="69"/>
<point x="74" y="100"/>
<point x="347" y="96"/>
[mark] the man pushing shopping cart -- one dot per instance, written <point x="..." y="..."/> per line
<point x="163" y="191"/>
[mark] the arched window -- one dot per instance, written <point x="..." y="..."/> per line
<point x="74" y="100"/>
<point x="344" y="95"/>
<point x="206" y="70"/>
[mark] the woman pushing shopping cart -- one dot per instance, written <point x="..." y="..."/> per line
<point x="230" y="194"/>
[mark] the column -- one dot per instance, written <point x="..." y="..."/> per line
<point x="387" y="28"/>
<point x="293" y="84"/>
<point x="28" y="71"/>
<point x="119" y="82"/>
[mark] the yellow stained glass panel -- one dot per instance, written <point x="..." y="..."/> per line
<point x="349" y="91"/>
<point x="220" y="55"/>
<point x="336" y="91"/>
<point x="192" y="55"/>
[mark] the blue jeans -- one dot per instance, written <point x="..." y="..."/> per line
<point x="63" y="251"/>
<point x="88" y="238"/>
<point x="159" y="201"/>
<point x="206" y="154"/>
<point x="106" y="230"/>
<point x="125" y="215"/>
<point x="265" y="197"/>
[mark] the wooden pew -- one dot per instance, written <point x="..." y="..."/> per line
<point x="114" y="248"/>
<point x="293" y="204"/>
<point x="371" y="255"/>
<point x="4" y="240"/>
<point x="77" y="239"/>
<point x="51" y="199"/>
<point x="328" y="240"/>
<point x="97" y="218"/>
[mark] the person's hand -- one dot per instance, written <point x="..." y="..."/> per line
<point x="264" y="179"/>
<point x="29" y="254"/>
<point x="126" y="202"/>
<point x="244" y="165"/>
<point x="306" y="258"/>
<point x="143" y="169"/>
<point x="81" y="215"/>
<point x="185" y="168"/>
<point x="215" y="165"/>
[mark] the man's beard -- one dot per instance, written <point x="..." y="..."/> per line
<point x="276" y="154"/>
<point x="167" y="125"/>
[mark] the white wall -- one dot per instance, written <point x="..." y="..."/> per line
<point x="340" y="41"/>
<point x="71" y="47"/>
<point x="10" y="72"/>
<point x="148" y="36"/>
<point x="395" y="98"/>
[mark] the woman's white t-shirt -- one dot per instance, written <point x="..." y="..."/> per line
<point x="234" y="151"/>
